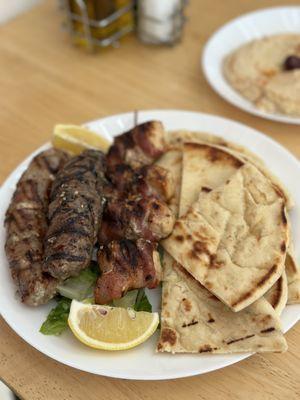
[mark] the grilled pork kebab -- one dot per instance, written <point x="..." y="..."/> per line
<point x="74" y="215"/>
<point x="138" y="147"/>
<point x="136" y="213"/>
<point x="136" y="204"/>
<point x="137" y="191"/>
<point x="127" y="265"/>
<point x="26" y="225"/>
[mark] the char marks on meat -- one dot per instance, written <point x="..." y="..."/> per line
<point x="26" y="226"/>
<point x="74" y="214"/>
<point x="136" y="191"/>
<point x="145" y="181"/>
<point x="126" y="265"/>
<point x="135" y="217"/>
<point x="138" y="147"/>
<point x="136" y="214"/>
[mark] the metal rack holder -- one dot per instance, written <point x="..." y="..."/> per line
<point x="88" y="24"/>
<point x="176" y="21"/>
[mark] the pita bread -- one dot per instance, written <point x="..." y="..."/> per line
<point x="293" y="278"/>
<point x="177" y="138"/>
<point x="207" y="167"/>
<point x="236" y="230"/>
<point x="204" y="167"/>
<point x="278" y="294"/>
<point x="194" y="321"/>
<point x="172" y="161"/>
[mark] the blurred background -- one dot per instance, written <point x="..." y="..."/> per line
<point x="11" y="8"/>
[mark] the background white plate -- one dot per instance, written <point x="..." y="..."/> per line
<point x="142" y="362"/>
<point x="238" y="32"/>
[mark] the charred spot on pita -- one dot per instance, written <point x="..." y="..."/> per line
<point x="210" y="318"/>
<point x="268" y="330"/>
<point x="179" y="238"/>
<point x="206" y="348"/>
<point x="200" y="247"/>
<point x="187" y="304"/>
<point x="258" y="284"/>
<point x="283" y="247"/>
<point x="193" y="322"/>
<point x="159" y="346"/>
<point x="239" y="339"/>
<point x="168" y="336"/>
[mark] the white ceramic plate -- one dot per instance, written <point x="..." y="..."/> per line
<point x="234" y="34"/>
<point x="142" y="362"/>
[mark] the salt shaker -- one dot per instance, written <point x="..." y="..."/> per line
<point x="160" y="21"/>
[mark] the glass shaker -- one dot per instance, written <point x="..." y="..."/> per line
<point x="98" y="23"/>
<point x="160" y="21"/>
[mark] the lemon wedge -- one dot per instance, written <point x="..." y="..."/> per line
<point x="75" y="139"/>
<point x="111" y="328"/>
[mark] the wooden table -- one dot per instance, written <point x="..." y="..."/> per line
<point x="44" y="80"/>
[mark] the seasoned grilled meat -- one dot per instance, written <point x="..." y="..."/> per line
<point x="74" y="214"/>
<point x="135" y="217"/>
<point x="26" y="225"/>
<point x="135" y="205"/>
<point x="146" y="181"/>
<point x="126" y="265"/>
<point x="138" y="147"/>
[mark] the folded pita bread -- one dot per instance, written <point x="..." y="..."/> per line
<point x="194" y="321"/>
<point x="177" y="138"/>
<point x="172" y="161"/>
<point x="278" y="294"/>
<point x="293" y="278"/>
<point x="205" y="167"/>
<point x="233" y="240"/>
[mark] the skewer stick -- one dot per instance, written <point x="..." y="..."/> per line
<point x="135" y="118"/>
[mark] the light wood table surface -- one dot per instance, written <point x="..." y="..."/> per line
<point x="44" y="80"/>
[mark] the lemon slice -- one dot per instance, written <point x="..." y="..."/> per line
<point x="74" y="139"/>
<point x="111" y="328"/>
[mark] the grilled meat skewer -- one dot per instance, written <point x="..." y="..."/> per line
<point x="148" y="180"/>
<point x="135" y="217"/>
<point x="74" y="214"/>
<point x="136" y="214"/>
<point x="126" y="265"/>
<point x="138" y="147"/>
<point x="26" y="225"/>
<point x="136" y="205"/>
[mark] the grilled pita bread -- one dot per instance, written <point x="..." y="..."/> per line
<point x="293" y="278"/>
<point x="238" y="230"/>
<point x="195" y="321"/>
<point x="278" y="294"/>
<point x="204" y="168"/>
<point x="172" y="161"/>
<point x="177" y="138"/>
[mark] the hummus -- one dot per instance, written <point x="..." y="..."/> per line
<point x="257" y="70"/>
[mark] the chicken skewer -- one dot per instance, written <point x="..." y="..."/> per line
<point x="26" y="225"/>
<point x="126" y="265"/>
<point x="74" y="215"/>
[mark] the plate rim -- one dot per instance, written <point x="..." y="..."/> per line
<point x="168" y="374"/>
<point x="249" y="107"/>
